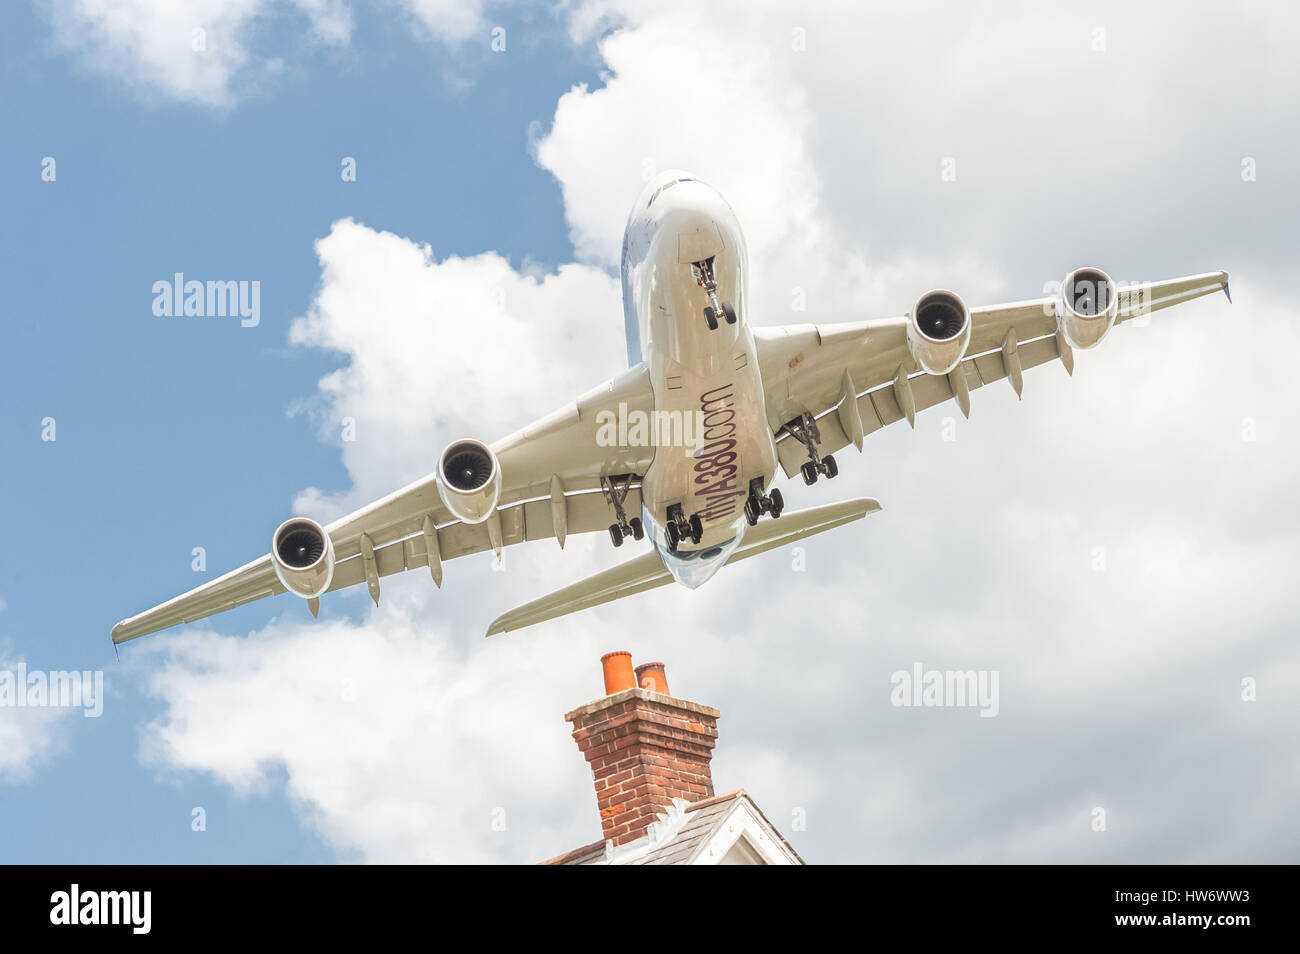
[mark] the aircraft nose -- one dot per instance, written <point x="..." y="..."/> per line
<point x="695" y="233"/>
<point x="698" y="241"/>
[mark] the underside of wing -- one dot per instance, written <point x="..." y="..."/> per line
<point x="560" y="475"/>
<point x="248" y="583"/>
<point x="853" y="378"/>
<point x="647" y="571"/>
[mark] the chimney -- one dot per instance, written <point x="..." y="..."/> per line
<point x="645" y="747"/>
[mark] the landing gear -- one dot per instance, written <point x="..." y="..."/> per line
<point x="615" y="489"/>
<point x="804" y="430"/>
<point x="759" y="503"/>
<point x="634" y="529"/>
<point x="679" y="528"/>
<point x="703" y="272"/>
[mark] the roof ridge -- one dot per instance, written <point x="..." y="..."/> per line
<point x="715" y="799"/>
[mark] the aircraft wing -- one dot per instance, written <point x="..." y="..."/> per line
<point x="647" y="571"/>
<point x="550" y="474"/>
<point x="856" y="377"/>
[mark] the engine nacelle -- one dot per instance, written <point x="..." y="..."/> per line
<point x="1086" y="307"/>
<point x="938" y="331"/>
<point x="469" y="480"/>
<point x="303" y="554"/>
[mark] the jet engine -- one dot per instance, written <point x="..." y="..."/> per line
<point x="938" y="331"/>
<point x="1086" y="307"/>
<point x="469" y="480"/>
<point x="303" y="554"/>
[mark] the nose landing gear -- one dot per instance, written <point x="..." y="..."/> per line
<point x="759" y="503"/>
<point x="679" y="528"/>
<point x="804" y="430"/>
<point x="615" y="488"/>
<point x="703" y="273"/>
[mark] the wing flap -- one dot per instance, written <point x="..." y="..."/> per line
<point x="880" y="407"/>
<point x="587" y="512"/>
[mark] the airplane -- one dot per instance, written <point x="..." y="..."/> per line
<point x="761" y="399"/>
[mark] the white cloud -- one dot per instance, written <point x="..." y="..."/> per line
<point x="438" y="349"/>
<point x="449" y="21"/>
<point x="197" y="51"/>
<point x="206" y="51"/>
<point x="1120" y="687"/>
<point x="29" y="736"/>
<point x="331" y="20"/>
<point x="357" y="717"/>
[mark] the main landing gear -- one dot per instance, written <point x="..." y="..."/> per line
<point x="703" y="272"/>
<point x="679" y="528"/>
<point x="615" y="489"/>
<point x="759" y="503"/>
<point x="804" y="430"/>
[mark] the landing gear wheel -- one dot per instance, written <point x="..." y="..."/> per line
<point x="804" y="429"/>
<point x="679" y="527"/>
<point x="758" y="502"/>
<point x="704" y="277"/>
<point x="615" y="489"/>
<point x="674" y="537"/>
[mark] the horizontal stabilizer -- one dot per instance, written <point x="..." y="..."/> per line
<point x="647" y="571"/>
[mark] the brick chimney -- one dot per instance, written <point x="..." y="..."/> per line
<point x="645" y="748"/>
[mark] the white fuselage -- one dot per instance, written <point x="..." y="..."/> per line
<point x="706" y="377"/>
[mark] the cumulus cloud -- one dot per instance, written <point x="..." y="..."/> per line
<point x="28" y="736"/>
<point x="438" y="349"/>
<point x="207" y="52"/>
<point x="355" y="717"/>
<point x="195" y="51"/>
<point x="1117" y="545"/>
<point x="449" y="21"/>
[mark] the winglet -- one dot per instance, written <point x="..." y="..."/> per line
<point x="1226" y="291"/>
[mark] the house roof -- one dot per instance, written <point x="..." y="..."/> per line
<point x="700" y="832"/>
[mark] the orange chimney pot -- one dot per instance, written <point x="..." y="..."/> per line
<point x="618" y="672"/>
<point x="651" y="676"/>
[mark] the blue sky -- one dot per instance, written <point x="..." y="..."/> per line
<point x="169" y="428"/>
<point x="1086" y="134"/>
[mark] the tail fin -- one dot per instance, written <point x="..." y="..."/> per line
<point x="647" y="571"/>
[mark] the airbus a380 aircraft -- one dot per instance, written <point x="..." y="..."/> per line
<point x="764" y="398"/>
